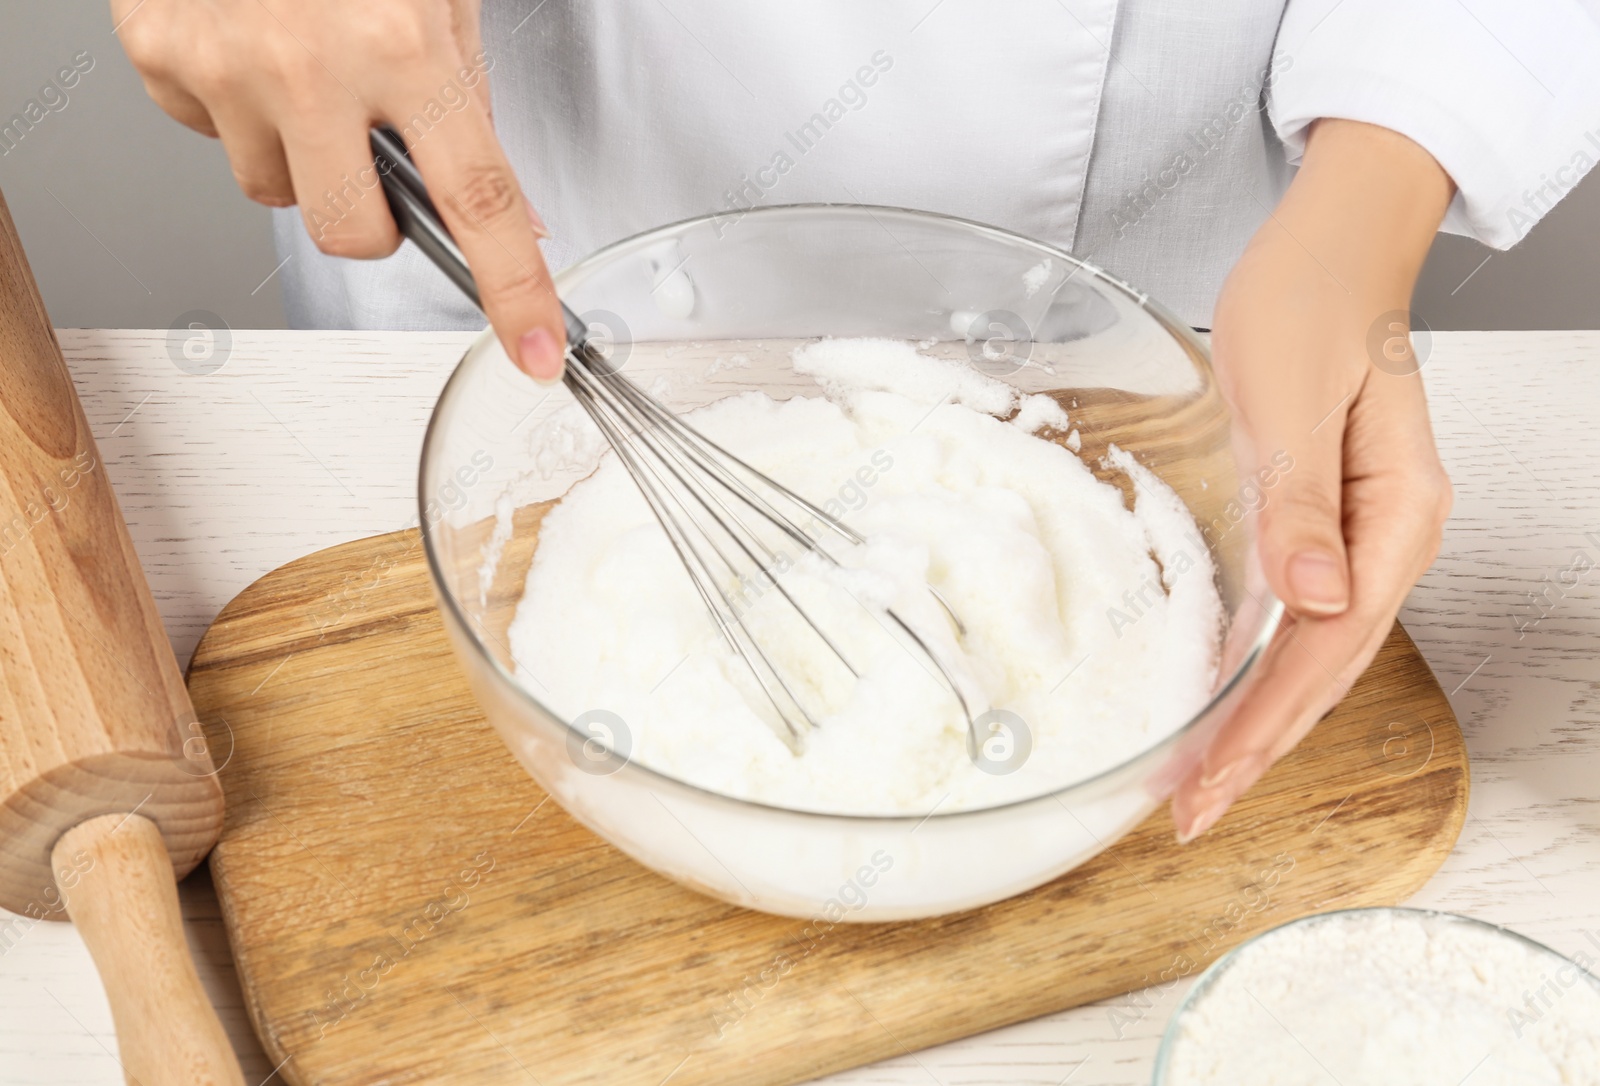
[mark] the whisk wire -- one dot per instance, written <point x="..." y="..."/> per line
<point x="631" y="419"/>
<point x="661" y="498"/>
<point x="715" y="458"/>
<point x="712" y="453"/>
<point x="672" y="458"/>
<point x="658" y="449"/>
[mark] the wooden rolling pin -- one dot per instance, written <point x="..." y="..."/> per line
<point x="108" y="793"/>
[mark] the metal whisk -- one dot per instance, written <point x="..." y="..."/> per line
<point x="718" y="512"/>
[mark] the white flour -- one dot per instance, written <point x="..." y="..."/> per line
<point x="1029" y="548"/>
<point x="1392" y="998"/>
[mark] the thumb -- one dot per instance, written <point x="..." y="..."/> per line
<point x="1301" y="527"/>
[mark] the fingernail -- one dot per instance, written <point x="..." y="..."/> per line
<point x="533" y="216"/>
<point x="1318" y="582"/>
<point x="1212" y="779"/>
<point x="1201" y="821"/>
<point x="539" y="356"/>
<point x="1241" y="767"/>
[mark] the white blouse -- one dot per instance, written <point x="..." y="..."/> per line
<point x="1149" y="137"/>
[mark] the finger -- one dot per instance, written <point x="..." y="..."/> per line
<point x="338" y="189"/>
<point x="154" y="38"/>
<point x="181" y="106"/>
<point x="481" y="202"/>
<point x="466" y="29"/>
<point x="256" y="154"/>
<point x="1395" y="513"/>
<point x="1290" y="416"/>
<point x="1311" y="665"/>
<point x="1296" y="440"/>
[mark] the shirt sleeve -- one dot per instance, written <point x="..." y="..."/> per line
<point x="1505" y="94"/>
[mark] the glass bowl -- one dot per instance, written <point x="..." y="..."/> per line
<point x="1172" y="1038"/>
<point x="750" y="288"/>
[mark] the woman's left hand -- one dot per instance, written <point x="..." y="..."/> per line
<point x="1310" y="342"/>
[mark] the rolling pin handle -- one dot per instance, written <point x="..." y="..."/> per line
<point x="116" y="879"/>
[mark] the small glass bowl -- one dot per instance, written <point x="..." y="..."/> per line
<point x="754" y="286"/>
<point x="1170" y="1038"/>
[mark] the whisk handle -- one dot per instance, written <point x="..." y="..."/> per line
<point x="418" y="219"/>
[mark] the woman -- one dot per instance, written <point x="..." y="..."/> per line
<point x="1158" y="140"/>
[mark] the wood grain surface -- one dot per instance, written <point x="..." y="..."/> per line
<point x="304" y="440"/>
<point x="404" y="905"/>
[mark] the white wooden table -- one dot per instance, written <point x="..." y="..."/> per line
<point x="303" y="440"/>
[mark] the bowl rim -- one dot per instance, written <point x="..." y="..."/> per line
<point x="1214" y="971"/>
<point x="1272" y="607"/>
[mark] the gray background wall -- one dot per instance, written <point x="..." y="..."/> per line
<point x="130" y="220"/>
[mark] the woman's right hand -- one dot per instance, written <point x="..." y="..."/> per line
<point x="292" y="91"/>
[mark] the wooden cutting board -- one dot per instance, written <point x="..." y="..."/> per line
<point x="405" y="906"/>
